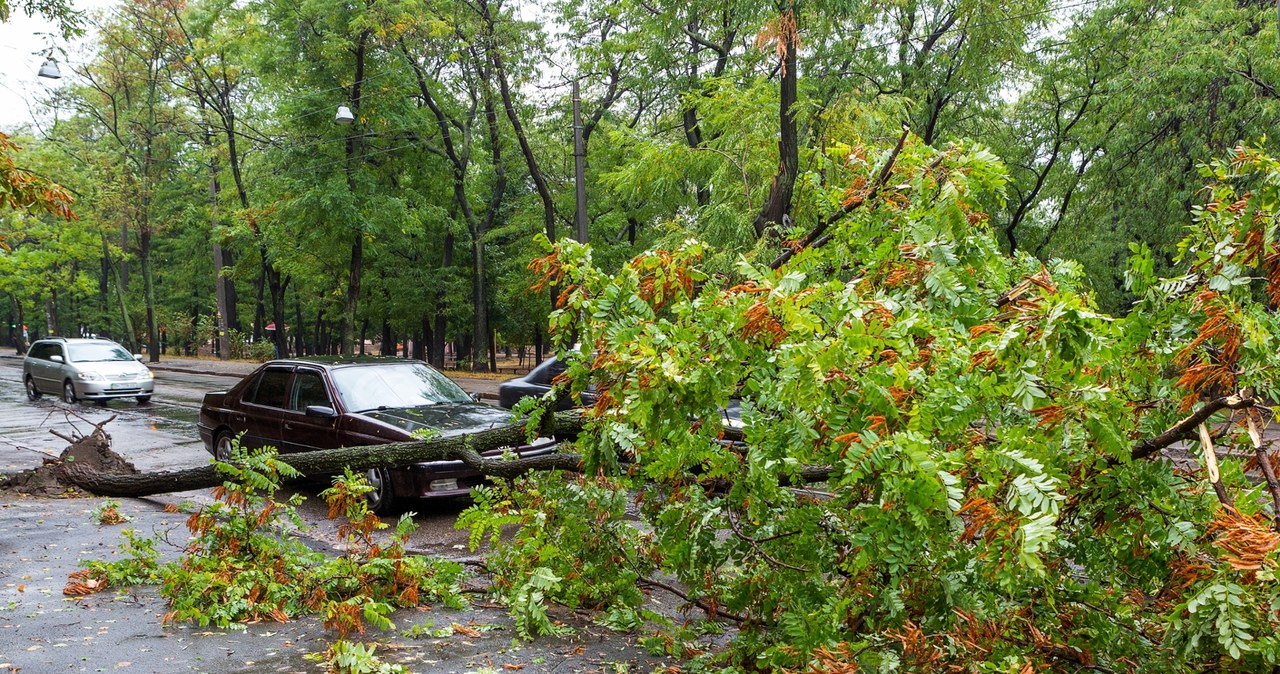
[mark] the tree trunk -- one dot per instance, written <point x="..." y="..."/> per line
<point x="277" y="287"/>
<point x="466" y="448"/>
<point x="51" y="314"/>
<point x="149" y="291"/>
<point x="778" y="205"/>
<point x="356" y="268"/>
<point x="129" y="339"/>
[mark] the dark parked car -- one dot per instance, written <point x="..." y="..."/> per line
<point x="537" y="383"/>
<point x="327" y="402"/>
<point x="540" y="379"/>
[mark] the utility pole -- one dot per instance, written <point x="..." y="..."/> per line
<point x="579" y="166"/>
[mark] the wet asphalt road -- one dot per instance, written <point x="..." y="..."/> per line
<point x="43" y="540"/>
<point x="161" y="435"/>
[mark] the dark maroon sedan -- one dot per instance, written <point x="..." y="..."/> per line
<point x="322" y="403"/>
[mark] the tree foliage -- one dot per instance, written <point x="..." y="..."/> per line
<point x="945" y="456"/>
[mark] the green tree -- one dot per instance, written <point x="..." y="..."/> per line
<point x="946" y="457"/>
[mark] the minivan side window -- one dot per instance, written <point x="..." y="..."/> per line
<point x="272" y="389"/>
<point x="40" y="351"/>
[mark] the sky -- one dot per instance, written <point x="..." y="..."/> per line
<point x="22" y="43"/>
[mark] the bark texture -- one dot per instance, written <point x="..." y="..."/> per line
<point x="465" y="448"/>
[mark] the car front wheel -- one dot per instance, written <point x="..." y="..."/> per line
<point x="33" y="393"/>
<point x="144" y="399"/>
<point x="68" y="392"/>
<point x="383" y="495"/>
<point x="222" y="446"/>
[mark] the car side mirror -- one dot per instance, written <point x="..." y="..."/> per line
<point x="137" y="357"/>
<point x="475" y="397"/>
<point x="321" y="411"/>
<point x="56" y="358"/>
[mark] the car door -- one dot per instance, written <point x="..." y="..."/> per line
<point x="35" y="364"/>
<point x="50" y="377"/>
<point x="303" y="433"/>
<point x="263" y="406"/>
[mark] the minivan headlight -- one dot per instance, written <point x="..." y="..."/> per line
<point x="90" y="376"/>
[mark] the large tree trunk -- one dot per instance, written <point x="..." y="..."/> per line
<point x="466" y="448"/>
<point x="778" y="205"/>
<point x="355" y="268"/>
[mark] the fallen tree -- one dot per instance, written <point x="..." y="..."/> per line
<point x="466" y="448"/>
<point x="996" y="496"/>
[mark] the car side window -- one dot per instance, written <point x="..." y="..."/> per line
<point x="39" y="351"/>
<point x="308" y="389"/>
<point x="54" y="350"/>
<point x="272" y="389"/>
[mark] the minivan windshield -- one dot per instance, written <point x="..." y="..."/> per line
<point x="96" y="351"/>
<point x="370" y="387"/>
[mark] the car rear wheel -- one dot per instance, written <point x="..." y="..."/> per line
<point x="33" y="393"/>
<point x="68" y="392"/>
<point x="222" y="446"/>
<point x="144" y="399"/>
<point x="383" y="495"/>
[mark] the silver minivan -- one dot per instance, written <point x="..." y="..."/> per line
<point x="85" y="369"/>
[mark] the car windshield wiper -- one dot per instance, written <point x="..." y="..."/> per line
<point x="379" y="408"/>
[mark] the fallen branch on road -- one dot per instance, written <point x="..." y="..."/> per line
<point x="465" y="448"/>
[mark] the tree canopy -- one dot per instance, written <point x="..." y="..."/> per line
<point x="916" y="325"/>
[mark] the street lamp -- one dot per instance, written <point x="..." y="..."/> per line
<point x="344" y="116"/>
<point x="49" y="69"/>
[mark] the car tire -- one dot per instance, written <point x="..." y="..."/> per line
<point x="222" y="446"/>
<point x="68" y="392"/>
<point x="144" y="399"/>
<point x="33" y="393"/>
<point x="383" y="497"/>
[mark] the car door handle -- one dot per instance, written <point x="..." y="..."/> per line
<point x="288" y="426"/>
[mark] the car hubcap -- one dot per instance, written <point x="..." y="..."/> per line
<point x="223" y="452"/>
<point x="374" y="478"/>
<point x="68" y="392"/>
<point x="31" y="388"/>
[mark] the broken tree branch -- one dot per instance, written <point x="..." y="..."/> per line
<point x="826" y="222"/>
<point x="1184" y="429"/>
<point x="1268" y="470"/>
<point x="465" y="448"/>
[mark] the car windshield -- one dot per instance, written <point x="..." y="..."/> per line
<point x="97" y="351"/>
<point x="371" y="387"/>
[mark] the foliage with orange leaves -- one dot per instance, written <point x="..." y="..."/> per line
<point x="971" y="420"/>
<point x="22" y="190"/>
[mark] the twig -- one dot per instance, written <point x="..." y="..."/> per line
<point x="1211" y="466"/>
<point x="1268" y="471"/>
<point x="756" y="546"/>
<point x="707" y="608"/>
<point x="1180" y="430"/>
<point x="823" y="224"/>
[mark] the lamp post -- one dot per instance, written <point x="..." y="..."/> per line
<point x="49" y="69"/>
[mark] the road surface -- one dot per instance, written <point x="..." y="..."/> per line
<point x="161" y="435"/>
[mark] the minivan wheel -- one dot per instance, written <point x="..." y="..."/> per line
<point x="383" y="495"/>
<point x="68" y="392"/>
<point x="144" y="399"/>
<point x="222" y="446"/>
<point x="33" y="393"/>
